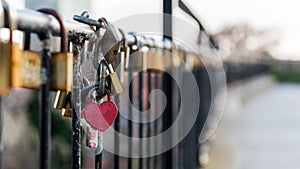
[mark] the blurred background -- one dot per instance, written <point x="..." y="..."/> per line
<point x="260" y="125"/>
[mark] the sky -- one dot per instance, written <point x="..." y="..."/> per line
<point x="280" y="17"/>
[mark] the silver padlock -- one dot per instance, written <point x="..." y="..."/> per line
<point x="110" y="43"/>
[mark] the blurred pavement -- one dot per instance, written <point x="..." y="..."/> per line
<point x="260" y="128"/>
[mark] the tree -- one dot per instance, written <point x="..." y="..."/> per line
<point x="244" y="43"/>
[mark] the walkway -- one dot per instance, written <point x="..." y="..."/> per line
<point x="261" y="133"/>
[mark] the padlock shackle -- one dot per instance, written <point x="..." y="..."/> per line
<point x="124" y="42"/>
<point x="7" y="20"/>
<point x="101" y="77"/>
<point x="104" y="21"/>
<point x="63" y="32"/>
<point x="135" y="42"/>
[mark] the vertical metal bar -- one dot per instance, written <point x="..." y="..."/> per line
<point x="175" y="112"/>
<point x="167" y="119"/>
<point x="116" y="143"/>
<point x="167" y="82"/>
<point x="155" y="160"/>
<point x="98" y="161"/>
<point x="129" y="122"/>
<point x="45" y="115"/>
<point x="76" y="107"/>
<point x="99" y="151"/>
<point x="141" y="125"/>
<point x="167" y="19"/>
<point x="148" y="160"/>
<point x="158" y="161"/>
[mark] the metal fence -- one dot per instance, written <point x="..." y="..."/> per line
<point x="143" y="112"/>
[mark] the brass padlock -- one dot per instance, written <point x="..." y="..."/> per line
<point x="62" y="62"/>
<point x="66" y="111"/>
<point x="136" y="60"/>
<point x="10" y="57"/>
<point x="30" y="66"/>
<point x="121" y="60"/>
<point x="5" y="57"/>
<point x="155" y="60"/>
<point x="114" y="82"/>
<point x="62" y="99"/>
<point x="126" y="55"/>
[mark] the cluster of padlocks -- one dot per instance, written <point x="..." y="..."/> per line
<point x="85" y="74"/>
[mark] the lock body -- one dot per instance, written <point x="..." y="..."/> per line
<point x="114" y="82"/>
<point x="116" y="86"/>
<point x="62" y="66"/>
<point x="110" y="43"/>
<point x="5" y="53"/>
<point x="10" y="55"/>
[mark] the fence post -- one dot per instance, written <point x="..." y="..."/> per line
<point x="76" y="103"/>
<point x="45" y="114"/>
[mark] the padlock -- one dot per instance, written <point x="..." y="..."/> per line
<point x="5" y="57"/>
<point x="101" y="79"/>
<point x="62" y="99"/>
<point x="155" y="60"/>
<point x="136" y="61"/>
<point x="122" y="58"/>
<point x="10" y="57"/>
<point x="106" y="74"/>
<point x="127" y="55"/>
<point x="64" y="57"/>
<point x="91" y="137"/>
<point x="114" y="85"/>
<point x="66" y="111"/>
<point x="110" y="43"/>
<point x="167" y="55"/>
<point x="100" y="116"/>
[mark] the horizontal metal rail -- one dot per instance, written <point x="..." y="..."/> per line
<point x="36" y="22"/>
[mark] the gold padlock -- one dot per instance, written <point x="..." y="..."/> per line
<point x="5" y="57"/>
<point x="62" y="62"/>
<point x="63" y="66"/>
<point x="66" y="111"/>
<point x="10" y="57"/>
<point x="30" y="65"/>
<point x="113" y="79"/>
<point x="62" y="101"/>
<point x="155" y="60"/>
<point x="121" y="60"/>
<point x="126" y="55"/>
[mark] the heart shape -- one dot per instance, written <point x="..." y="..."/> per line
<point x="101" y="116"/>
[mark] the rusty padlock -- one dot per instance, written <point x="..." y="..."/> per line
<point x="63" y="96"/>
<point x="9" y="56"/>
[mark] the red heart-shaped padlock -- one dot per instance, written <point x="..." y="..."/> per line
<point x="101" y="116"/>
